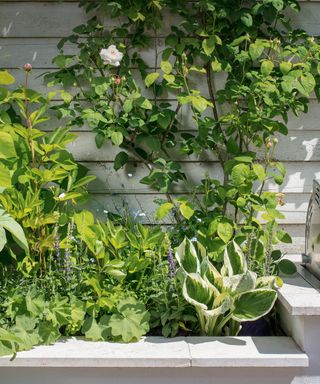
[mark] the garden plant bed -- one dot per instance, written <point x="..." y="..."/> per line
<point x="218" y="360"/>
<point x="143" y="191"/>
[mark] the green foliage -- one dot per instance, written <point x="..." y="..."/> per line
<point x="269" y="72"/>
<point x="65" y="273"/>
<point x="223" y="299"/>
<point x="7" y="223"/>
<point x="39" y="179"/>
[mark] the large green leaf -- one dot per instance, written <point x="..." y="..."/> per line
<point x="151" y="78"/>
<point x="97" y="331"/>
<point x="7" y="149"/>
<point x="35" y="302"/>
<point x="3" y="238"/>
<point x="234" y="259"/>
<point x="5" y="178"/>
<point x="163" y="210"/>
<point x="224" y="306"/>
<point x="252" y="305"/>
<point x="59" y="311"/>
<point x="48" y="333"/>
<point x="9" y="224"/>
<point x="225" y="231"/>
<point x="197" y="291"/>
<point x="210" y="273"/>
<point x="131" y="322"/>
<point x="186" y="256"/>
<point x="240" y="283"/>
<point x="6" y="78"/>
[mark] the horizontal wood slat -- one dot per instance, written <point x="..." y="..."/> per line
<point x="297" y="146"/>
<point x="55" y="19"/>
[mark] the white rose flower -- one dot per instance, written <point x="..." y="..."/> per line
<point x="111" y="55"/>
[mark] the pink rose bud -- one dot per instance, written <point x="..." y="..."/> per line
<point x="27" y="67"/>
<point x="117" y="80"/>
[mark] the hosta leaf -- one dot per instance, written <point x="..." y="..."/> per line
<point x="234" y="259"/>
<point x="240" y="283"/>
<point x="252" y="305"/>
<point x="186" y="256"/>
<point x="3" y="238"/>
<point x="211" y="274"/>
<point x="197" y="291"/>
<point x="226" y="304"/>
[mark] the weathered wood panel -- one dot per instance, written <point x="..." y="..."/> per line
<point x="143" y="206"/>
<point x="127" y="180"/>
<point x="305" y="122"/>
<point x="297" y="146"/>
<point x="30" y="31"/>
<point x="55" y="19"/>
<point x="40" y="51"/>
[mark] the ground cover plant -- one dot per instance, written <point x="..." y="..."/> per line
<point x="66" y="273"/>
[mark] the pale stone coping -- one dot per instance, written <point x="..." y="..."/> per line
<point x="300" y="293"/>
<point x="159" y="352"/>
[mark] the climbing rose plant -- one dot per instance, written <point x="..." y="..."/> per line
<point x="235" y="69"/>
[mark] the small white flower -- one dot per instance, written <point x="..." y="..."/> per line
<point x="193" y="239"/>
<point x="62" y="196"/>
<point x="111" y="55"/>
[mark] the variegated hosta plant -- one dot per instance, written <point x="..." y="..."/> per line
<point x="223" y="299"/>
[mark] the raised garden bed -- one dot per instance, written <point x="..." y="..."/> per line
<point x="218" y="360"/>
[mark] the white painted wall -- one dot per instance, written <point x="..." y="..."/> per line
<point x="30" y="31"/>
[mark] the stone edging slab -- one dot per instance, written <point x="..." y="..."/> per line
<point x="159" y="352"/>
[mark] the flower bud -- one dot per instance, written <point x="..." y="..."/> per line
<point x="269" y="144"/>
<point x="275" y="141"/>
<point x="117" y="80"/>
<point x="27" y="67"/>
